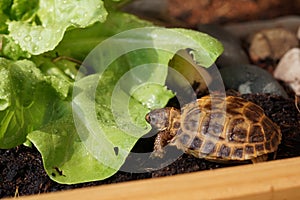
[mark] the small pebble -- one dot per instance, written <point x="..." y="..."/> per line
<point x="288" y="69"/>
<point x="271" y="44"/>
<point x="233" y="52"/>
<point x="251" y="79"/>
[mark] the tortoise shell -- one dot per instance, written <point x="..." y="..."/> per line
<point x="217" y="129"/>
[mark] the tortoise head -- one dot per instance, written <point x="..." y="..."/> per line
<point x="162" y="118"/>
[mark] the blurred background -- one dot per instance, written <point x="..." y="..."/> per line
<point x="189" y="13"/>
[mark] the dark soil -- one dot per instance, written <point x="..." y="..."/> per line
<point x="22" y="173"/>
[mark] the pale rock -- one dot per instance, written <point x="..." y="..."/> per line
<point x="288" y="69"/>
<point x="271" y="44"/>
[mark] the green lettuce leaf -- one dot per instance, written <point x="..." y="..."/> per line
<point x="4" y="15"/>
<point x="27" y="100"/>
<point x="209" y="48"/>
<point x="24" y="10"/>
<point x="78" y="43"/>
<point x="65" y="157"/>
<point x="3" y="25"/>
<point x="11" y="50"/>
<point x="55" y="17"/>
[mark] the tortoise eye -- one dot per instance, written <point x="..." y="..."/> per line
<point x="152" y="118"/>
<point x="147" y="117"/>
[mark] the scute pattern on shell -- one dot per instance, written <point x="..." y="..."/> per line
<point x="226" y="129"/>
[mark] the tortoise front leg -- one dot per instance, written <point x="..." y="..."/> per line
<point x="161" y="140"/>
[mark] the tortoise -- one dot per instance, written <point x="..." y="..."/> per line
<point x="219" y="129"/>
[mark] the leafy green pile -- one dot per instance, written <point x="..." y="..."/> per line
<point x="77" y="119"/>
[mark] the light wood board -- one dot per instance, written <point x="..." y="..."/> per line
<point x="274" y="180"/>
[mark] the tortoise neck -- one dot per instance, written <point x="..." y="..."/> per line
<point x="174" y="119"/>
